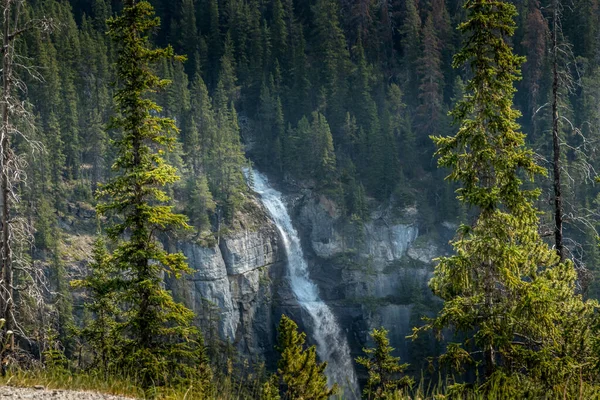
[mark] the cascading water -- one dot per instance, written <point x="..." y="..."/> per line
<point x="332" y="345"/>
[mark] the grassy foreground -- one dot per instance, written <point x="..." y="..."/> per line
<point x="95" y="382"/>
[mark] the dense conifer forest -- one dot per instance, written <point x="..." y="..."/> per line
<point x="136" y="122"/>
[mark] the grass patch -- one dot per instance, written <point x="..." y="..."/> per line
<point x="55" y="379"/>
<point x="223" y="388"/>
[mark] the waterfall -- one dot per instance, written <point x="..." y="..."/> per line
<point x="332" y="345"/>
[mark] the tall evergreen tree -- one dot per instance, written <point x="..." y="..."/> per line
<point x="505" y="290"/>
<point x="410" y="31"/>
<point x="431" y="81"/>
<point x="159" y="341"/>
<point x="334" y="59"/>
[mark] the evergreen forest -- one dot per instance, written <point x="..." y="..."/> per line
<point x="130" y="134"/>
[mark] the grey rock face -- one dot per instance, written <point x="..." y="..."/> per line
<point x="231" y="285"/>
<point x="372" y="273"/>
<point x="246" y="250"/>
<point x="381" y="238"/>
<point x="207" y="263"/>
<point x="386" y="243"/>
<point x="424" y="252"/>
<point x="207" y="286"/>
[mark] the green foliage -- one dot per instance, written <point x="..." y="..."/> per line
<point x="101" y="333"/>
<point x="157" y="336"/>
<point x="270" y="389"/>
<point x="200" y="204"/>
<point x="385" y="380"/>
<point x="302" y="376"/>
<point x="504" y="288"/>
<point x="312" y="143"/>
<point x="378" y="76"/>
<point x="334" y="60"/>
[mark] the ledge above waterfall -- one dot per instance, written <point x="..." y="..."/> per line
<point x="251" y="244"/>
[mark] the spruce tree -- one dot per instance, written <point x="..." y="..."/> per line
<point x="101" y="334"/>
<point x="159" y="342"/>
<point x="303" y="377"/>
<point x="334" y="59"/>
<point x="322" y="147"/>
<point x="202" y="130"/>
<point x="431" y="80"/>
<point x="200" y="203"/>
<point x="410" y="44"/>
<point x="505" y="290"/>
<point x="384" y="381"/>
<point x="280" y="34"/>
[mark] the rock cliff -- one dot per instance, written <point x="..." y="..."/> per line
<point x="372" y="274"/>
<point x="231" y="289"/>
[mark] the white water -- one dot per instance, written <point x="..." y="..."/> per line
<point x="332" y="345"/>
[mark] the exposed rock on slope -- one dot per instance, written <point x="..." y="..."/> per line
<point x="373" y="274"/>
<point x="231" y="288"/>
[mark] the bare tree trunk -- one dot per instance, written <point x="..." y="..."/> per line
<point x="558" y="207"/>
<point x="13" y="229"/>
<point x="5" y="161"/>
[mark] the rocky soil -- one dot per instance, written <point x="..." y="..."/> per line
<point x="39" y="392"/>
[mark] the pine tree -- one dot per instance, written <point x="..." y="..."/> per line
<point x="190" y="40"/>
<point x="296" y="100"/>
<point x="334" y="59"/>
<point x="101" y="334"/>
<point x="431" y="80"/>
<point x="325" y="167"/>
<point x="201" y="132"/>
<point x="62" y="301"/>
<point x="68" y="111"/>
<point x="279" y="34"/>
<point x="411" y="43"/>
<point x="227" y="77"/>
<point x="302" y="375"/>
<point x="364" y="106"/>
<point x="225" y="158"/>
<point x="214" y="43"/>
<point x="159" y="341"/>
<point x="535" y="42"/>
<point x="200" y="203"/>
<point x="270" y="389"/>
<point x="384" y="370"/>
<point x="505" y="290"/>
<point x="94" y="106"/>
<point x="399" y="125"/>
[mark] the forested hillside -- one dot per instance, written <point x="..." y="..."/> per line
<point x="341" y="94"/>
<point x="341" y="98"/>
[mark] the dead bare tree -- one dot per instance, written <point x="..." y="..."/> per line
<point x="16" y="119"/>
<point x="558" y="207"/>
<point x="566" y="175"/>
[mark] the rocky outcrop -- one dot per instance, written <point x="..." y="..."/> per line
<point x="372" y="273"/>
<point x="231" y="288"/>
<point x="381" y="237"/>
<point x="245" y="251"/>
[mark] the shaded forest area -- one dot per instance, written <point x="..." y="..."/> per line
<point x="342" y="95"/>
